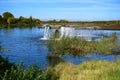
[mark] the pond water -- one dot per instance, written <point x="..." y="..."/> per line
<point x="24" y="45"/>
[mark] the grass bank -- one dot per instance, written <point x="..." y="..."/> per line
<point x="94" y="70"/>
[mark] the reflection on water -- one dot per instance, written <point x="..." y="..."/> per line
<point x="54" y="60"/>
<point x="25" y="46"/>
<point x="78" y="60"/>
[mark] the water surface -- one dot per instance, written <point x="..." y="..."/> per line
<point x="25" y="46"/>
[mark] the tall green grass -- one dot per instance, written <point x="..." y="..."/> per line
<point x="5" y="66"/>
<point x="94" y="70"/>
<point x="8" y="71"/>
<point x="77" y="47"/>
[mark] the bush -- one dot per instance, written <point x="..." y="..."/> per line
<point x="5" y="66"/>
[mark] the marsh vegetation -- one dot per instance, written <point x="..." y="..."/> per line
<point x="80" y="47"/>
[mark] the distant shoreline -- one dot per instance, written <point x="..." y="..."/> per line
<point x="55" y="26"/>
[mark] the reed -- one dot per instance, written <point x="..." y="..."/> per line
<point x="79" y="47"/>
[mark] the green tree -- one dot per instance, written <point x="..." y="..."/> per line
<point x="6" y="15"/>
<point x="9" y="20"/>
<point x="20" y="18"/>
<point x="52" y="21"/>
<point x="37" y="21"/>
<point x="63" y="22"/>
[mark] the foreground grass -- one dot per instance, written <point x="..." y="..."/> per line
<point x="94" y="70"/>
<point x="10" y="72"/>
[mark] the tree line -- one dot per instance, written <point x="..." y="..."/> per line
<point x="112" y="24"/>
<point x="8" y="19"/>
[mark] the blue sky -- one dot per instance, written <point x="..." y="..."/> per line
<point x="74" y="10"/>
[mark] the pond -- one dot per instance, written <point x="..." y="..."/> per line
<point x="25" y="45"/>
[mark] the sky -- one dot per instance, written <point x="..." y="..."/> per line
<point x="72" y="10"/>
